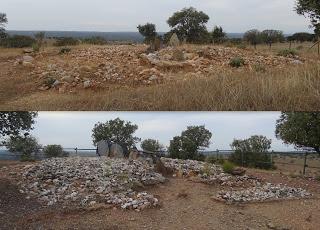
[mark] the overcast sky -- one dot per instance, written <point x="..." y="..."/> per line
<point x="74" y="129"/>
<point x="125" y="15"/>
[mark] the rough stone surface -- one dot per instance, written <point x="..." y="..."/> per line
<point x="130" y="65"/>
<point x="103" y="148"/>
<point x="87" y="181"/>
<point x="263" y="192"/>
<point x="116" y="151"/>
<point x="174" y="40"/>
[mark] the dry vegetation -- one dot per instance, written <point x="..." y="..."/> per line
<point x="294" y="87"/>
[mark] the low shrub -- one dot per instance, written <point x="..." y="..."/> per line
<point x="228" y="167"/>
<point x="68" y="41"/>
<point x="18" y="41"/>
<point x="54" y="151"/>
<point x="287" y="53"/>
<point x="236" y="62"/>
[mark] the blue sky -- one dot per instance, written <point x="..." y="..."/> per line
<point x="73" y="129"/>
<point x="125" y="15"/>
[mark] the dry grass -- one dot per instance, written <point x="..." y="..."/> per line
<point x="297" y="89"/>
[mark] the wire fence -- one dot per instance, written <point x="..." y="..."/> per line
<point x="302" y="162"/>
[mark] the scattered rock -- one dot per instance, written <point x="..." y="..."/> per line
<point x="28" y="51"/>
<point x="263" y="192"/>
<point x="68" y="79"/>
<point x="238" y="171"/>
<point x="87" y="84"/>
<point x="27" y="58"/>
<point x="27" y="64"/>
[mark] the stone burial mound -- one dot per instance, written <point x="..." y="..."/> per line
<point x="115" y="182"/>
<point x="102" y="67"/>
<point x="88" y="181"/>
<point x="244" y="189"/>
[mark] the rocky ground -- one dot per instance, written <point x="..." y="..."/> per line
<point x="130" y="65"/>
<point x="91" y="192"/>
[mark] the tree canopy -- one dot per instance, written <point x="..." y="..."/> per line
<point x="272" y="36"/>
<point x="302" y="37"/>
<point x="253" y="37"/>
<point x="218" y="35"/>
<point x="151" y="145"/>
<point x="300" y="129"/>
<point x="252" y="152"/>
<point x="25" y="145"/>
<point x="116" y="131"/>
<point x="148" y="31"/>
<point x="16" y="123"/>
<point x="3" y="22"/>
<point x="188" y="144"/>
<point x="310" y="8"/>
<point x="189" y="24"/>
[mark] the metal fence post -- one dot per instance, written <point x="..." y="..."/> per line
<point x="305" y="164"/>
<point x="217" y="154"/>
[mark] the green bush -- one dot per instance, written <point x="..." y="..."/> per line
<point x="18" y="41"/>
<point x="228" y="167"/>
<point x="54" y="151"/>
<point x="287" y="53"/>
<point x="66" y="42"/>
<point x="236" y="62"/>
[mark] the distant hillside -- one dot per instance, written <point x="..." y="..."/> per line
<point x="111" y="36"/>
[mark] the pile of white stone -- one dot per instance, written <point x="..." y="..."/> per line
<point x="263" y="192"/>
<point x="205" y="172"/>
<point x="87" y="181"/>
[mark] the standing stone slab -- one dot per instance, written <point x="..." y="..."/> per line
<point x="174" y="40"/>
<point x="116" y="151"/>
<point x="103" y="148"/>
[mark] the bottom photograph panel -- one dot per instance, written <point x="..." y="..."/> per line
<point x="159" y="170"/>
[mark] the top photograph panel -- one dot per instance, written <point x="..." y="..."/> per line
<point x="160" y="55"/>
